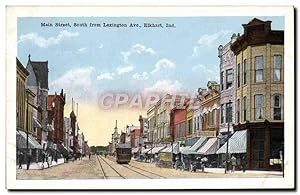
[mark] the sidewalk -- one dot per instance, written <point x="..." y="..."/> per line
<point x="39" y="165"/>
<point x="222" y="170"/>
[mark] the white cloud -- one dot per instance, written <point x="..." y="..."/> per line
<point x="101" y="46"/>
<point x="209" y="40"/>
<point x="106" y="76"/>
<point x="46" y="42"/>
<point x="77" y="83"/>
<point x="199" y="67"/>
<point x="125" y="69"/>
<point x="163" y="64"/>
<point x="165" y="86"/>
<point x="137" y="48"/>
<point x="142" y="76"/>
<point x="81" y="50"/>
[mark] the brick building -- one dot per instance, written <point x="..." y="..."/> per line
<point x="57" y="103"/>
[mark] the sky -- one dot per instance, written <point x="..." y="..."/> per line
<point x="88" y="62"/>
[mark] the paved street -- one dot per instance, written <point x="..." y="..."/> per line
<point x="104" y="168"/>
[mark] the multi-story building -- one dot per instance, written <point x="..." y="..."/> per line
<point x="132" y="132"/>
<point x="37" y="82"/>
<point x="152" y="124"/>
<point x="227" y="86"/>
<point x="178" y="124"/>
<point x="22" y="74"/>
<point x="57" y="103"/>
<point x="210" y="110"/>
<point x="260" y="92"/>
<point x="24" y="113"/>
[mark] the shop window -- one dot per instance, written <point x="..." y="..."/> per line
<point x="259" y="68"/>
<point x="277" y="67"/>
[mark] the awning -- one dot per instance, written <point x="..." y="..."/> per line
<point x="196" y="146"/>
<point x="210" y="147"/>
<point x="135" y="150"/>
<point x="69" y="149"/>
<point x="22" y="141"/>
<point x="169" y="149"/>
<point x="185" y="148"/>
<point x="237" y="143"/>
<point x="36" y="123"/>
<point x="145" y="150"/>
<point x="156" y="149"/>
<point x="63" y="150"/>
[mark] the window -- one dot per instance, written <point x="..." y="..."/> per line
<point x="259" y="106"/>
<point x="245" y="108"/>
<point x="213" y="118"/>
<point x="245" y="72"/>
<point x="238" y="75"/>
<point x="238" y="111"/>
<point x="222" y="113"/>
<point x="222" y="80"/>
<point x="277" y="107"/>
<point x="229" y="78"/>
<point x="277" y="67"/>
<point x="228" y="112"/>
<point x="198" y="122"/>
<point x="259" y="68"/>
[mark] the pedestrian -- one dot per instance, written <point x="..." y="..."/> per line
<point x="47" y="159"/>
<point x="89" y="156"/>
<point x="233" y="163"/>
<point x="21" y="159"/>
<point x="244" y="163"/>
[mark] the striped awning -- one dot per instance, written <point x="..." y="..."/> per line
<point x="169" y="149"/>
<point x="145" y="150"/>
<point x="22" y="141"/>
<point x="36" y="123"/>
<point x="196" y="146"/>
<point x="236" y="144"/>
<point x="135" y="150"/>
<point x="185" y="148"/>
<point x="156" y="149"/>
<point x="210" y="147"/>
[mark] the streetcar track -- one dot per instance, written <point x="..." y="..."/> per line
<point x="147" y="171"/>
<point x="104" y="174"/>
<point x="110" y="167"/>
<point x="137" y="172"/>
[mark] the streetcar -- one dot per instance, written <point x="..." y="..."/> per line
<point x="123" y="153"/>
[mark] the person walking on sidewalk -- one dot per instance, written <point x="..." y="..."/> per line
<point x="233" y="163"/>
<point x="21" y="159"/>
<point x="47" y="159"/>
<point x="89" y="156"/>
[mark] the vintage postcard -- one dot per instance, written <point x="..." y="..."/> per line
<point x="141" y="97"/>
